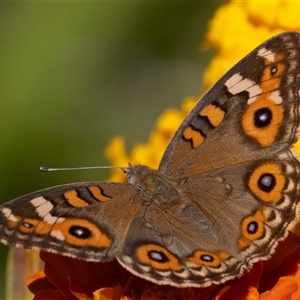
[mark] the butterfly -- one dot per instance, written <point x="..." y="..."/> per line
<point x="226" y="190"/>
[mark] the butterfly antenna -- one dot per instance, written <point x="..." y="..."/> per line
<point x="46" y="169"/>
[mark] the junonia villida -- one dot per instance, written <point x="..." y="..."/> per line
<point x="226" y="191"/>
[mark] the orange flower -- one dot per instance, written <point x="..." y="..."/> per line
<point x="68" y="278"/>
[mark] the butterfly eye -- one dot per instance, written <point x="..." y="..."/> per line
<point x="262" y="117"/>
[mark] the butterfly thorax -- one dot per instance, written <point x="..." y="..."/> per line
<point x="151" y="182"/>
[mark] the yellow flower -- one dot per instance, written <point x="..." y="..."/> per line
<point x="151" y="153"/>
<point x="240" y="26"/>
<point x="234" y="32"/>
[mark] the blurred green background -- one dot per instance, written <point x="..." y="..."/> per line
<point x="73" y="75"/>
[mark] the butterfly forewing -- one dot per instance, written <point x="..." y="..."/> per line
<point x="251" y="112"/>
<point x="82" y="220"/>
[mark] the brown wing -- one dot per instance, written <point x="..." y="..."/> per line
<point x="84" y="220"/>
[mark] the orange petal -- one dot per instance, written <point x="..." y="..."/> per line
<point x="38" y="275"/>
<point x="114" y="293"/>
<point x="80" y="291"/>
<point x="285" y="289"/>
<point x="290" y="266"/>
<point x="39" y="282"/>
<point x="90" y="274"/>
<point x="242" y="288"/>
<point x="49" y="294"/>
<point x="284" y="247"/>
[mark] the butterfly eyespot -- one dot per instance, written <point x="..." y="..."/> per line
<point x="266" y="182"/>
<point x="158" y="256"/>
<point x="252" y="227"/>
<point x="80" y="232"/>
<point x="262" y="117"/>
<point x="207" y="258"/>
<point x="27" y="225"/>
<point x="274" y="70"/>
